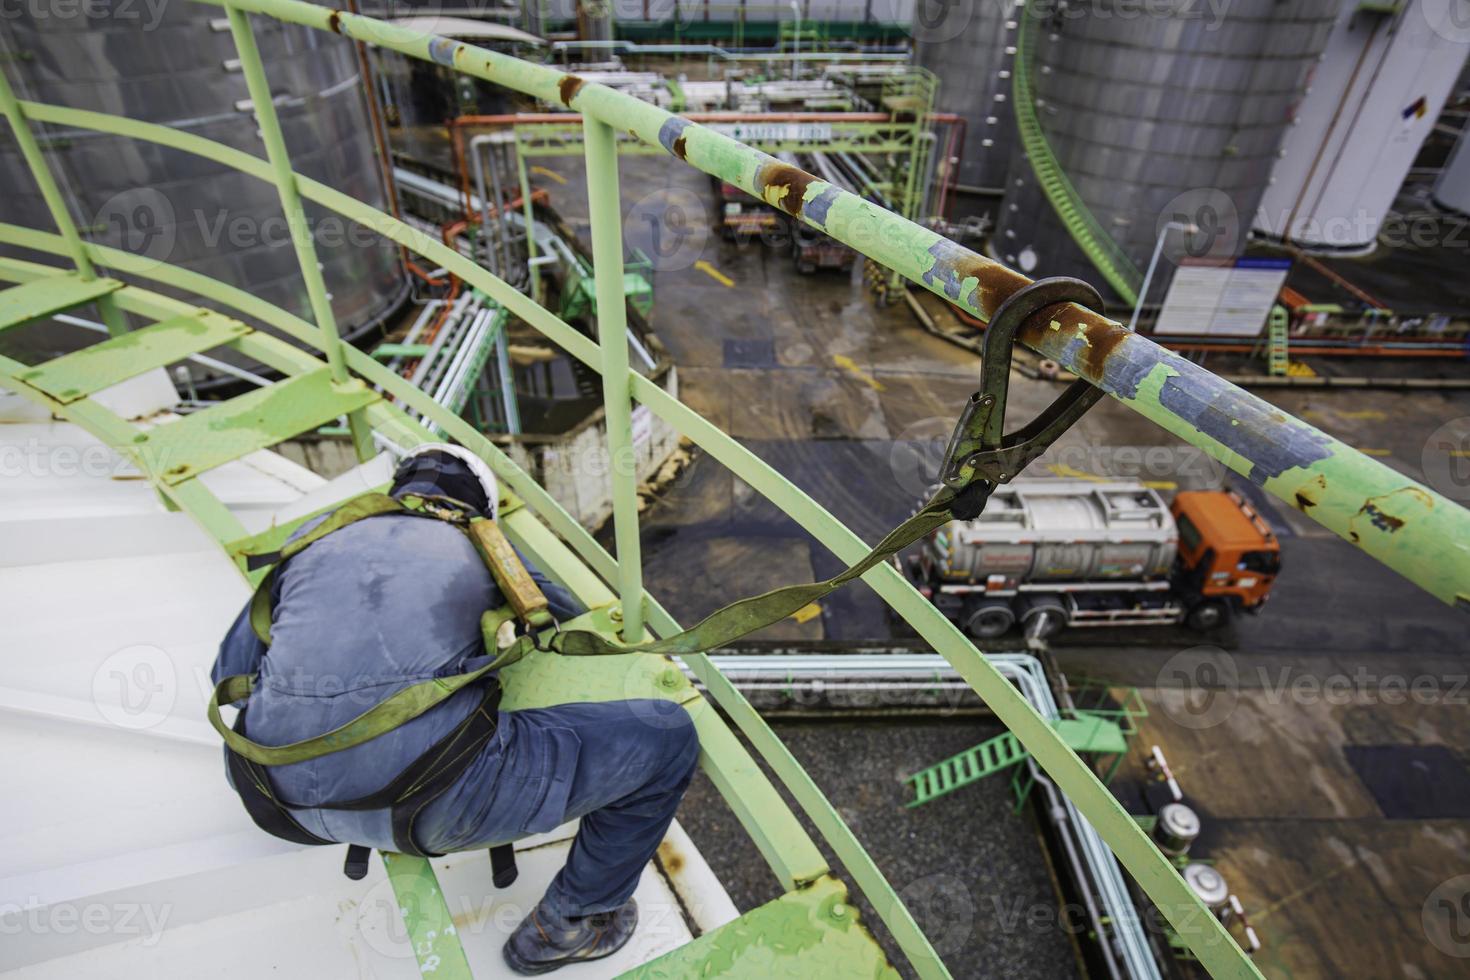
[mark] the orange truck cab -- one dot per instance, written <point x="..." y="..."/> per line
<point x="1228" y="555"/>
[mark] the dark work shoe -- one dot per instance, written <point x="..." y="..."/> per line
<point x="546" y="940"/>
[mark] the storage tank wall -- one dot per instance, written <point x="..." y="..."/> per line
<point x="1373" y="100"/>
<point x="173" y="65"/>
<point x="1158" y="116"/>
<point x="971" y="47"/>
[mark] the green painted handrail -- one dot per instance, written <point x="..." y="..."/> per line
<point x="1089" y="234"/>
<point x="1418" y="532"/>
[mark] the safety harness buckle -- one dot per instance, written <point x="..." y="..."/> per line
<point x="980" y="448"/>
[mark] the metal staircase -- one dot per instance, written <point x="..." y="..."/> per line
<point x="811" y="929"/>
<point x="1084" y="733"/>
<point x="1278" y="360"/>
<point x="1099" y="246"/>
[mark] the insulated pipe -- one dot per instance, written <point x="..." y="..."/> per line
<point x="478" y="160"/>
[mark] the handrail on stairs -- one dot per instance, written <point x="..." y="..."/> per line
<point x="1417" y="532"/>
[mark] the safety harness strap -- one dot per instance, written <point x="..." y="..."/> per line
<point x="415" y="787"/>
<point x="719" y="628"/>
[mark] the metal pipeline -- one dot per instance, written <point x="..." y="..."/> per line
<point x="1105" y="893"/>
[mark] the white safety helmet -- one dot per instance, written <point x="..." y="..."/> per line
<point x="476" y="466"/>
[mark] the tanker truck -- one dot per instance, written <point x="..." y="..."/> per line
<point x="1049" y="554"/>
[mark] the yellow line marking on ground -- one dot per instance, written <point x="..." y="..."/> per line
<point x="549" y="173"/>
<point x="1309" y="887"/>
<point x="850" y="366"/>
<point x="807" y="612"/>
<point x="703" y="266"/>
<point x="1062" y="469"/>
<point x="1376" y="452"/>
<point x="1367" y="414"/>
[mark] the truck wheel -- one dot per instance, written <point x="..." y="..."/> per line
<point x="1208" y="615"/>
<point x="1043" y="619"/>
<point x="991" y="618"/>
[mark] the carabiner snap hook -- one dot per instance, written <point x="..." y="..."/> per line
<point x="979" y="446"/>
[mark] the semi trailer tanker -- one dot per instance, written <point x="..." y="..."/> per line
<point x="1049" y="554"/>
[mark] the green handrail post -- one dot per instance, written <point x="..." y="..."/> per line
<point x="31" y="150"/>
<point x="604" y="209"/>
<point x="301" y="238"/>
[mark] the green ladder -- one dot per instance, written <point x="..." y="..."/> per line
<point x="1278" y="360"/>
<point x="1097" y="244"/>
<point x="1085" y="733"/>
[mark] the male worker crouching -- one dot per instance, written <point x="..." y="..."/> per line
<point x="383" y="602"/>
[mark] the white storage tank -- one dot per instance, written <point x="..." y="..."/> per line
<point x="1371" y="103"/>
<point x="1452" y="189"/>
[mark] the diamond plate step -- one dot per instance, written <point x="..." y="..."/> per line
<point x="180" y="450"/>
<point x="84" y="372"/>
<point x="53" y="294"/>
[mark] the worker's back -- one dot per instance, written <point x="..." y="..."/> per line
<point x="359" y="615"/>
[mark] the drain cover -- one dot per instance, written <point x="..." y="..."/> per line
<point x="750" y="353"/>
<point x="1413" y="782"/>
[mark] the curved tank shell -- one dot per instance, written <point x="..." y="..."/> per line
<point x="1157" y="116"/>
<point x="1452" y="189"/>
<point x="174" y="64"/>
<point x="970" y="47"/>
<point x="1061" y="530"/>
<point x="1374" y="99"/>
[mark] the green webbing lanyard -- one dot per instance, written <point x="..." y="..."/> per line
<point x="979" y="457"/>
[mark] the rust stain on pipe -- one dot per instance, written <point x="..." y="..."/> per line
<point x="793" y="182"/>
<point x="569" y="86"/>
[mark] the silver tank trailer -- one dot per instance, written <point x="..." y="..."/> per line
<point x="173" y="63"/>
<point x="1038" y="531"/>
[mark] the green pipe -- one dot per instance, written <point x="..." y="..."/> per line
<point x="605" y="213"/>
<point x="1086" y="340"/>
<point x="1425" y="537"/>
<point x="30" y="150"/>
<point x="301" y="236"/>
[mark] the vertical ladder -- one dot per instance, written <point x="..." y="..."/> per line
<point x="1277" y="354"/>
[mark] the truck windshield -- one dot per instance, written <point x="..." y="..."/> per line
<point x="1267" y="562"/>
<point x="1188" y="533"/>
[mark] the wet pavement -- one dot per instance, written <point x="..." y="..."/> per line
<point x="853" y="404"/>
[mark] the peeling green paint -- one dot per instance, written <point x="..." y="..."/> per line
<point x="808" y="933"/>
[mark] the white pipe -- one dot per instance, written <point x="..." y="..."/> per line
<point x="1188" y="228"/>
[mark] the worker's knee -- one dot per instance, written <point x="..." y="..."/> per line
<point x="675" y="730"/>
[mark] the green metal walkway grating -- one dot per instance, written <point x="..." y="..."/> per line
<point x="257" y="420"/>
<point x="54" y="294"/>
<point x="91" y="369"/>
